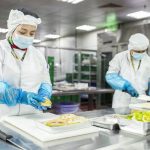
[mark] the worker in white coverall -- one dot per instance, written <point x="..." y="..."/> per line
<point x="24" y="77"/>
<point x="129" y="71"/>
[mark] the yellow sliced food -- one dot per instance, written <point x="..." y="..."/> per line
<point x="47" y="103"/>
<point x="65" y="120"/>
<point x="55" y="123"/>
<point x="138" y="115"/>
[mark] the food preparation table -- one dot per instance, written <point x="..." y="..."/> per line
<point x="106" y="140"/>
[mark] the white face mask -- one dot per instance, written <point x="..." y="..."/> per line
<point x="22" y="41"/>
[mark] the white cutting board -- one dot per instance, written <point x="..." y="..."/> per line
<point x="27" y="124"/>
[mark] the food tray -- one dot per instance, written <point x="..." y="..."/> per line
<point x="65" y="128"/>
<point x="139" y="126"/>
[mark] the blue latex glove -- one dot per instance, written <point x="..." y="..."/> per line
<point x="119" y="83"/>
<point x="8" y="94"/>
<point x="45" y="90"/>
<point x="31" y="99"/>
<point x="12" y="96"/>
<point x="130" y="89"/>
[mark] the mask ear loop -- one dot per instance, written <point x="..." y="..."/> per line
<point x="133" y="63"/>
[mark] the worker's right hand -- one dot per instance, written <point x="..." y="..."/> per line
<point x="130" y="89"/>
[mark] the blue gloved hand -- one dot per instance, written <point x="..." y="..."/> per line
<point x="45" y="90"/>
<point x="8" y="94"/>
<point x="12" y="96"/>
<point x="119" y="83"/>
<point x="130" y="89"/>
<point x="32" y="99"/>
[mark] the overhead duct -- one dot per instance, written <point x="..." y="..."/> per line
<point x="128" y="29"/>
<point x="110" y="5"/>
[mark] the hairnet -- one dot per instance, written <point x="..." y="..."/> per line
<point x="17" y="17"/>
<point x="138" y="42"/>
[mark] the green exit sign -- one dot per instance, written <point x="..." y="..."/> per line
<point x="110" y="23"/>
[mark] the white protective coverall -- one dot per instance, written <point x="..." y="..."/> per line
<point x="27" y="74"/>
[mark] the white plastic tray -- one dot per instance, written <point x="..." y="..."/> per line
<point x="141" y="106"/>
<point x="134" y="126"/>
<point x="60" y="129"/>
<point x="144" y="98"/>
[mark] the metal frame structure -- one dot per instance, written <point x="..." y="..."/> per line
<point x="101" y="48"/>
<point x="71" y="49"/>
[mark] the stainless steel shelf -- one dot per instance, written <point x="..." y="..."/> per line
<point x="87" y="72"/>
<point x="82" y="80"/>
<point x="88" y="65"/>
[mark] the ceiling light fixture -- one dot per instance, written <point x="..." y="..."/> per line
<point x="72" y="1"/>
<point x="86" y="27"/>
<point x="36" y="41"/>
<point x="3" y="30"/>
<point x="52" y="36"/>
<point x="139" y="14"/>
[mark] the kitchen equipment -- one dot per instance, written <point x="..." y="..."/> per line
<point x="109" y="126"/>
<point x="66" y="107"/>
<point x="107" y="122"/>
<point x="9" y="138"/>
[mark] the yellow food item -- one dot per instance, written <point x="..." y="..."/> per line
<point x="47" y="103"/>
<point x="54" y="123"/>
<point x="142" y="116"/>
<point x="64" y="120"/>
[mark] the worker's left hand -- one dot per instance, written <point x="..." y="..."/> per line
<point x="32" y="99"/>
<point x="45" y="90"/>
<point x="130" y="90"/>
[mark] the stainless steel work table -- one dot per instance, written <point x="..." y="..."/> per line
<point x="105" y="140"/>
<point x="78" y="92"/>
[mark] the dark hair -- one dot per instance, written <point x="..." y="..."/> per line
<point x="28" y="12"/>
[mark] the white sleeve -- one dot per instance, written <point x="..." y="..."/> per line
<point x="114" y="65"/>
<point x="1" y="62"/>
<point x="46" y="75"/>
